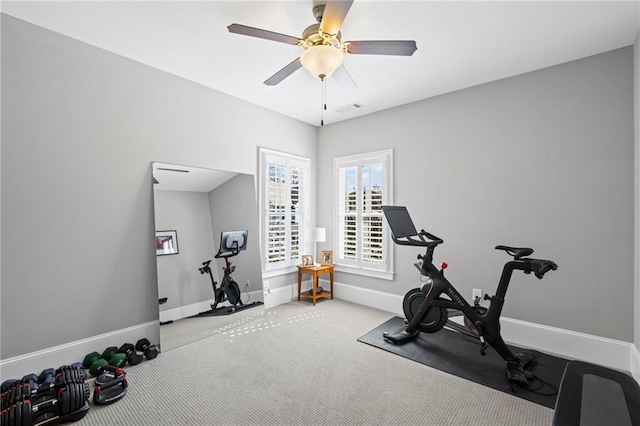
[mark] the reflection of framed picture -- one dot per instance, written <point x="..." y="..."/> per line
<point x="166" y="242"/>
<point x="307" y="260"/>
<point x="327" y="257"/>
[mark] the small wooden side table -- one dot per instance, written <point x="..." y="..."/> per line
<point x="315" y="272"/>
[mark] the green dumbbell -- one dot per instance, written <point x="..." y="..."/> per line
<point x="109" y="356"/>
<point x="89" y="359"/>
<point x="113" y="356"/>
<point x="92" y="362"/>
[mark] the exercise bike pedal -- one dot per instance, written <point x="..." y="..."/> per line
<point x="528" y="361"/>
<point x="399" y="338"/>
<point x="516" y="375"/>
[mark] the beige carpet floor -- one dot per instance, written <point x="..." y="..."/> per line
<point x="303" y="365"/>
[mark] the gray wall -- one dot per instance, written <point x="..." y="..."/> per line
<point x="544" y="159"/>
<point x="179" y="280"/>
<point x="234" y="208"/>
<point x="80" y="129"/>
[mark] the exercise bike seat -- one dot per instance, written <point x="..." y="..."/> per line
<point x="516" y="252"/>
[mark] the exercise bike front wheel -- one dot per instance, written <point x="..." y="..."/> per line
<point x="433" y="321"/>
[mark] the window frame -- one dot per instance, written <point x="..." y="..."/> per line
<point x="359" y="266"/>
<point x="291" y="160"/>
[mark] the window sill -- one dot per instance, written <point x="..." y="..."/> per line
<point x="373" y="273"/>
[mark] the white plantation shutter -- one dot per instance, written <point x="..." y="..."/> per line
<point x="372" y="201"/>
<point x="347" y="212"/>
<point x="363" y="186"/>
<point x="285" y="201"/>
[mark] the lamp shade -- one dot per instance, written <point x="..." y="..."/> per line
<point x="321" y="60"/>
<point x="316" y="235"/>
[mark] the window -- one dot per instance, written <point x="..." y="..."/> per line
<point x="284" y="201"/>
<point x="363" y="186"/>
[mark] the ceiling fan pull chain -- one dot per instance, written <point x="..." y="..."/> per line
<point x="323" y="102"/>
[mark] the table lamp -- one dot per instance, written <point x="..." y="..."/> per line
<point x="315" y="235"/>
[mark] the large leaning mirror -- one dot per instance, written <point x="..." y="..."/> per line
<point x="207" y="252"/>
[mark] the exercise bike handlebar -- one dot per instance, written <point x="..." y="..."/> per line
<point x="541" y="267"/>
<point x="418" y="240"/>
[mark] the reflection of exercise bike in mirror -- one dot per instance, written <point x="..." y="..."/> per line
<point x="231" y="244"/>
<point x="427" y="308"/>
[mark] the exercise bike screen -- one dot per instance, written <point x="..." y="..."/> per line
<point x="399" y="221"/>
<point x="233" y="240"/>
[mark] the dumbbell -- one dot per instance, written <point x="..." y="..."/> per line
<point x="15" y="390"/>
<point x="92" y="362"/>
<point x="150" y="351"/>
<point x="114" y="357"/>
<point x="68" y="374"/>
<point x="134" y="356"/>
<point x="110" y="356"/>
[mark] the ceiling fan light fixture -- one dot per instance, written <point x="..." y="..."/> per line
<point x="321" y="60"/>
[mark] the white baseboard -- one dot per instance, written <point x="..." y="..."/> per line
<point x="635" y="362"/>
<point x="568" y="344"/>
<point x="185" y="311"/>
<point x="373" y="298"/>
<point x="195" y="308"/>
<point x="565" y="343"/>
<point x="54" y="357"/>
<point x="280" y="295"/>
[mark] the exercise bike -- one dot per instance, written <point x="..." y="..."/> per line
<point x="228" y="289"/>
<point x="231" y="244"/>
<point x="427" y="309"/>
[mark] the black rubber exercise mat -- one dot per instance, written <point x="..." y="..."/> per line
<point x="456" y="354"/>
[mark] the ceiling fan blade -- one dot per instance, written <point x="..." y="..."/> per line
<point x="333" y="16"/>
<point x="257" y="32"/>
<point x="382" y="47"/>
<point x="343" y="78"/>
<point x="284" y="73"/>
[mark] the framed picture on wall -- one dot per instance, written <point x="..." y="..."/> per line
<point x="327" y="257"/>
<point x="166" y="243"/>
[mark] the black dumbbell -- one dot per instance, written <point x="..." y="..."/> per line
<point x="150" y="351"/>
<point x="134" y="357"/>
<point x="69" y="374"/>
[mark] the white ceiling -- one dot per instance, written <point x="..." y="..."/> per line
<point x="460" y="44"/>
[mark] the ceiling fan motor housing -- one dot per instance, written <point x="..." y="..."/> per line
<point x="312" y="36"/>
<point x="318" y="9"/>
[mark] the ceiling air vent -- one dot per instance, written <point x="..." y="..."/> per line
<point x="349" y="107"/>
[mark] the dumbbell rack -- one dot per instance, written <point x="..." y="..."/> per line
<point x="56" y="396"/>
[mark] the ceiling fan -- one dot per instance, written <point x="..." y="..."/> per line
<point x="323" y="46"/>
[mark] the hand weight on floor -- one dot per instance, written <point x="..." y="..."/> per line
<point x="134" y="356"/>
<point x="110" y="356"/>
<point x="93" y="362"/>
<point x="54" y="396"/>
<point x="114" y="357"/>
<point x="150" y="351"/>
